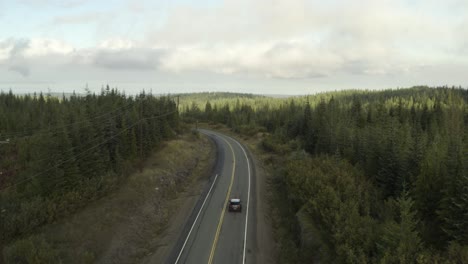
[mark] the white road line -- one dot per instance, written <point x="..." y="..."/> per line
<point x="248" y="201"/>
<point x="194" y="222"/>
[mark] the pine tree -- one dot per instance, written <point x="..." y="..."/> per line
<point x="400" y="242"/>
<point x="208" y="111"/>
<point x="308" y="130"/>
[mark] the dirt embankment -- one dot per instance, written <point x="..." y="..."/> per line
<point x="130" y="225"/>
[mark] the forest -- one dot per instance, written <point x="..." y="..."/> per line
<point x="360" y="176"/>
<point x="59" y="154"/>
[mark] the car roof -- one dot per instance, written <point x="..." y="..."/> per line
<point x="235" y="200"/>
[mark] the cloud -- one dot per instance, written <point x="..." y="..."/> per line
<point x="42" y="47"/>
<point x="128" y="59"/>
<point x="26" y="48"/>
<point x="299" y="39"/>
<point x="6" y="47"/>
<point x="283" y="59"/>
<point x="20" y="55"/>
<point x="462" y="37"/>
<point x="16" y="47"/>
<point x="293" y="59"/>
<point x="78" y="19"/>
<point x="234" y="21"/>
<point x="20" y="68"/>
<point x="117" y="44"/>
<point x="55" y="3"/>
<point x="11" y="55"/>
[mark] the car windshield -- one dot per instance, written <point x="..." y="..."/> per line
<point x="235" y="202"/>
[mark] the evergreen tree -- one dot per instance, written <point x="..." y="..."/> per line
<point x="308" y="130"/>
<point x="400" y="241"/>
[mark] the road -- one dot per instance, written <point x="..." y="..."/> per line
<point x="212" y="234"/>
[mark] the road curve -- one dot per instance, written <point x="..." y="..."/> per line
<point x="212" y="234"/>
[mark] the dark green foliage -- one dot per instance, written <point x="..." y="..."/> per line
<point x="65" y="153"/>
<point x="454" y="204"/>
<point x="33" y="250"/>
<point x="337" y="198"/>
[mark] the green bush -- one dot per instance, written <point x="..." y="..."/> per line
<point x="31" y="250"/>
<point x="195" y="134"/>
<point x="271" y="144"/>
<point x="250" y="130"/>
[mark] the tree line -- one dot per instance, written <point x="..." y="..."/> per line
<point x="382" y="174"/>
<point x="62" y="153"/>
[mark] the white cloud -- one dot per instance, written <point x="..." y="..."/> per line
<point x="5" y="50"/>
<point x="57" y="3"/>
<point x="366" y="37"/>
<point x="235" y="21"/>
<point x="78" y="19"/>
<point x="23" y="56"/>
<point x="41" y="47"/>
<point x="11" y="55"/>
<point x="284" y="59"/>
<point x="25" y="48"/>
<point x="117" y="44"/>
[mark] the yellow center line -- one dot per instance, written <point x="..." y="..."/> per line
<point x="221" y="218"/>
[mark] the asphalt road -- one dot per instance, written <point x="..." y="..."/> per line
<point x="212" y="233"/>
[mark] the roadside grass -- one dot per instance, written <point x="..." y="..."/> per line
<point x="124" y="226"/>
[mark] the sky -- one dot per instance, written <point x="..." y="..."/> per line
<point x="249" y="46"/>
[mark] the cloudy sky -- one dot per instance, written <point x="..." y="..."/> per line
<point x="255" y="46"/>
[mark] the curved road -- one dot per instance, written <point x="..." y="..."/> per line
<point x="212" y="234"/>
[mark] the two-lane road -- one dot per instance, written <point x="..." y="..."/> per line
<point x="214" y="235"/>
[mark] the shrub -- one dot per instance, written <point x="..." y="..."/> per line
<point x="31" y="250"/>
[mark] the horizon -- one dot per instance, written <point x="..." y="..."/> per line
<point x="103" y="88"/>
